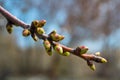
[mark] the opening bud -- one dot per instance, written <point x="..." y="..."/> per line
<point x="56" y="37"/>
<point x="83" y="50"/>
<point x="41" y="23"/>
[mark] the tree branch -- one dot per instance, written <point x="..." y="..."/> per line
<point x="79" y="51"/>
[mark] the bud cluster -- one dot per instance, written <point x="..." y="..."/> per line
<point x="82" y="50"/>
<point x="54" y="36"/>
<point x="58" y="48"/>
<point x="36" y="26"/>
<point x="40" y="23"/>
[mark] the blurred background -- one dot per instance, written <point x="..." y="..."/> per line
<point x="93" y="23"/>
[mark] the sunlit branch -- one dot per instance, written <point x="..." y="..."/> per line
<point x="35" y="29"/>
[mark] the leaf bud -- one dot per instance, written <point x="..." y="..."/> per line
<point x="48" y="47"/>
<point x="103" y="60"/>
<point x="66" y="53"/>
<point x="40" y="30"/>
<point x="91" y="65"/>
<point x="56" y="37"/>
<point x="83" y="50"/>
<point x="58" y="49"/>
<point x="41" y="23"/>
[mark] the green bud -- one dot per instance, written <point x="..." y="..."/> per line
<point x="56" y="37"/>
<point x="58" y="49"/>
<point x="48" y="47"/>
<point x="103" y="60"/>
<point x="83" y="50"/>
<point x="46" y="44"/>
<point x="9" y="28"/>
<point x="66" y="53"/>
<point x="91" y="65"/>
<point x="26" y="32"/>
<point x="40" y="30"/>
<point x="35" y="38"/>
<point x="100" y="59"/>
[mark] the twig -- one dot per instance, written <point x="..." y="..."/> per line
<point x="87" y="57"/>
